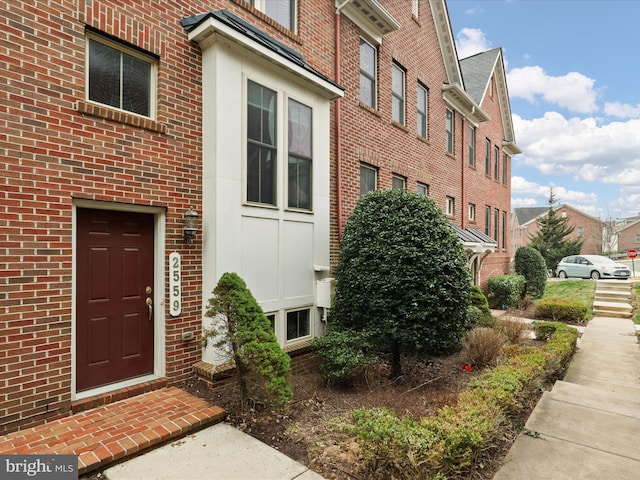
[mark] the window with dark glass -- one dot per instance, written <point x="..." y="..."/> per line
<point x="298" y="324"/>
<point x="368" y="70"/>
<point x="261" y="144"/>
<point x="487" y="157"/>
<point x="120" y="77"/>
<point x="449" y="131"/>
<point x="496" y="161"/>
<point x="422" y="101"/>
<point x="398" y="182"/>
<point x="487" y="220"/>
<point x="505" y="161"/>
<point x="472" y="146"/>
<point x="423" y="189"/>
<point x="368" y="179"/>
<point x="397" y="94"/>
<point x="300" y="162"/>
<point x="504" y="230"/>
<point x="496" y="223"/>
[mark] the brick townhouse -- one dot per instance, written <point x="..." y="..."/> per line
<point x="585" y="227"/>
<point x="150" y="146"/>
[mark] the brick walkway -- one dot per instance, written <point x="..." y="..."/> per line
<point x="108" y="433"/>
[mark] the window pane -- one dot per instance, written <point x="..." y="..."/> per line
<point x="398" y="182"/>
<point x="422" y="111"/>
<point x="367" y="73"/>
<point x="261" y="143"/>
<point x="298" y="324"/>
<point x="423" y="189"/>
<point x="136" y="85"/>
<point x="104" y="74"/>
<point x="449" y="128"/>
<point x="281" y="11"/>
<point x="299" y="129"/>
<point x="299" y="183"/>
<point x="367" y="59"/>
<point x="367" y="180"/>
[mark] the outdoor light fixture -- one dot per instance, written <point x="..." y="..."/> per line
<point x="190" y="225"/>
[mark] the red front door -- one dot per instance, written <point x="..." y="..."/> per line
<point x="114" y="307"/>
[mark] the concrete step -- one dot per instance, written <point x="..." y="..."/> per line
<point x="612" y="296"/>
<point x="618" y="285"/>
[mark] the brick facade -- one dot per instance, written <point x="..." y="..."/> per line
<point x="62" y="152"/>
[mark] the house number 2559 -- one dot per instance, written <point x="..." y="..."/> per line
<point x="175" y="284"/>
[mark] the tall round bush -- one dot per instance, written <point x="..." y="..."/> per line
<point x="531" y="265"/>
<point x="402" y="275"/>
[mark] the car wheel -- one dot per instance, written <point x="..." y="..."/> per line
<point x="595" y="275"/>
<point x="562" y="274"/>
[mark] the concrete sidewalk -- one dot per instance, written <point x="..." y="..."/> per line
<point x="220" y="452"/>
<point x="588" y="426"/>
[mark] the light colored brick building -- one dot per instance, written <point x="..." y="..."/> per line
<point x="585" y="227"/>
<point x="118" y="120"/>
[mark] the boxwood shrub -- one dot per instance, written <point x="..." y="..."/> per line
<point x="505" y="291"/>
<point x="561" y="310"/>
<point x="445" y="445"/>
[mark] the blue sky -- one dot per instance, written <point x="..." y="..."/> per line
<point x="573" y="76"/>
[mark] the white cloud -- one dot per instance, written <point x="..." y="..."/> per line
<point x="540" y="194"/>
<point x="589" y="151"/>
<point x="573" y="91"/>
<point x="524" y="202"/>
<point x="622" y="110"/>
<point x="470" y="41"/>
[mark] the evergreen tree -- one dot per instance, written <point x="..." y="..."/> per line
<point x="551" y="239"/>
<point x="242" y="333"/>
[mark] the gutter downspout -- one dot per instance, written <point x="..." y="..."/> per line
<point x="338" y="120"/>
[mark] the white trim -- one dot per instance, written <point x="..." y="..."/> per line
<point x="121" y="47"/>
<point x="159" y="362"/>
<point x="209" y="31"/>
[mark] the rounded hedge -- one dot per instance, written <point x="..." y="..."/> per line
<point x="402" y="274"/>
<point x="531" y="265"/>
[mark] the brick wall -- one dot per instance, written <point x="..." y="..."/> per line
<point x="370" y="136"/>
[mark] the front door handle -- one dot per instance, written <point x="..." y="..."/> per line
<point x="150" y="305"/>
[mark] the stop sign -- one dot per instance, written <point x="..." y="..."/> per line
<point x="632" y="253"/>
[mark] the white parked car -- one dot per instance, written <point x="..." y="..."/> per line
<point x="591" y="266"/>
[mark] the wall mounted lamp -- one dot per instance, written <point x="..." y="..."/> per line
<point x="190" y="225"/>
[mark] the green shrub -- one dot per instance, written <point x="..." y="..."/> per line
<point x="344" y="355"/>
<point x="482" y="346"/>
<point x="402" y="276"/>
<point x="445" y="445"/>
<point x="505" y="290"/>
<point x="561" y="310"/>
<point x="531" y="265"/>
<point x="242" y="333"/>
<point x="482" y="318"/>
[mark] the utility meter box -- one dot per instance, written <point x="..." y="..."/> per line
<point x="324" y="292"/>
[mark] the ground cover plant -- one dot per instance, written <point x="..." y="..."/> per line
<point x="443" y="418"/>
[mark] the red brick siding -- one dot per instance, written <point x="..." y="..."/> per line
<point x="627" y="237"/>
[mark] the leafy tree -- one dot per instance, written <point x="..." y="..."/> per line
<point x="242" y="333"/>
<point x="550" y="240"/>
<point x="530" y="264"/>
<point x="402" y="276"/>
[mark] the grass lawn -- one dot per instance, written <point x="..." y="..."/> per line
<point x="581" y="291"/>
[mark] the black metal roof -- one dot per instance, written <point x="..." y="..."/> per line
<point x="473" y="235"/>
<point x="250" y="31"/>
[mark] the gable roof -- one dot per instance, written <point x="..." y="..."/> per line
<point x="477" y="72"/>
<point x="525" y="214"/>
<point x="453" y="87"/>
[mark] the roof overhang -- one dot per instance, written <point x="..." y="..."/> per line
<point x="474" y="241"/>
<point x="460" y="100"/>
<point x="210" y="27"/>
<point x="369" y="16"/>
<point x="510" y="148"/>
